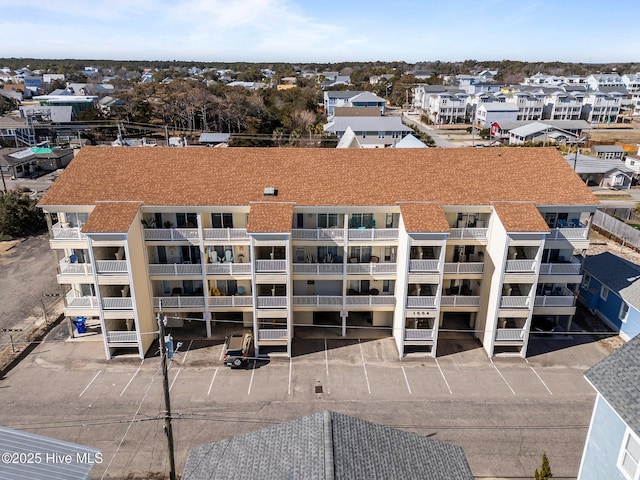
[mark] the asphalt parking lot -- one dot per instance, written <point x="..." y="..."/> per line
<point x="504" y="412"/>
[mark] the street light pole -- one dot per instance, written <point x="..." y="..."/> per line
<point x="167" y="400"/>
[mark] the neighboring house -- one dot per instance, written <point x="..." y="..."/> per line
<point x="333" y="99"/>
<point x="529" y="105"/>
<point x="212" y="139"/>
<point x="609" y="152"/>
<point x="79" y="103"/>
<point x="45" y="458"/>
<point x="633" y="162"/>
<point x="537" y="132"/>
<point x="49" y="114"/>
<point x="611" y="289"/>
<point x="33" y="161"/>
<point x="561" y="105"/>
<point x="52" y="77"/>
<point x="372" y="132"/>
<point x="375" y="79"/>
<point x="14" y="128"/>
<point x="610" y="173"/>
<point x="599" y="80"/>
<point x="447" y="108"/>
<point x="328" y="445"/>
<point x="247" y="85"/>
<point x="612" y="448"/>
<point x="546" y="130"/>
<point x="631" y="81"/>
<point x="349" y="140"/>
<point x="410" y="142"/>
<point x="601" y="107"/>
<point x="408" y="240"/>
<point x="490" y="112"/>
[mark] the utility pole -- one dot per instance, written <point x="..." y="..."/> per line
<point x="167" y="400"/>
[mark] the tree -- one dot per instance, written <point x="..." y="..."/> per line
<point x="545" y="469"/>
<point x="19" y="216"/>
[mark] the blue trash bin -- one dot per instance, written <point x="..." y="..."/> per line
<point x="80" y="324"/>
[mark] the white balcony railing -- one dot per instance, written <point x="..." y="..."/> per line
<point x="122" y="337"/>
<point x="81" y="302"/>
<point x="373" y="234"/>
<point x="370" y="300"/>
<point x="318" y="233"/>
<point x="171" y="234"/>
<point x="418" y="334"/>
<point x="231" y="301"/>
<point x="317" y="268"/>
<point x="117" y="303"/>
<point x="225" y="234"/>
<point x="61" y="231"/>
<point x="175" y="269"/>
<point x="464" y="267"/>
<point x="421" y="302"/>
<point x="268" y="266"/>
<point x="468" y="234"/>
<point x="424" y="265"/>
<point x="572" y="268"/>
<point x="370" y="268"/>
<point x="525" y="265"/>
<point x="179" y="302"/>
<point x="273" y="334"/>
<point x="316" y="300"/>
<point x="67" y="268"/>
<point x="111" y="266"/>
<point x="228" y="269"/>
<point x="578" y="233"/>
<point x="514" y="302"/>
<point x="509" y="334"/>
<point x="459" y="301"/>
<point x="555" y="301"/>
<point x="272" y="302"/>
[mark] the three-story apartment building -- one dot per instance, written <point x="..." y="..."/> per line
<point x="277" y="240"/>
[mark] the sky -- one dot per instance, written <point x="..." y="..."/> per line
<point x="327" y="31"/>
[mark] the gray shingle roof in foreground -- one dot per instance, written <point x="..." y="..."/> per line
<point x="328" y="446"/>
<point x="617" y="379"/>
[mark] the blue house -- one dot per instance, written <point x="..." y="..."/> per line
<point x="611" y="289"/>
<point x="612" y="449"/>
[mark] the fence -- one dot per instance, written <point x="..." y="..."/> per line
<point x="608" y="225"/>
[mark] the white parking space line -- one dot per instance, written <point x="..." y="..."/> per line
<point x="253" y="370"/>
<point x="365" y="367"/>
<point x="184" y="359"/>
<point x="443" y="377"/>
<point x="174" y="379"/>
<point x="541" y="381"/>
<point x="502" y="376"/>
<point x="130" y="380"/>
<point x="92" y="380"/>
<point x="406" y="379"/>
<point x="326" y="361"/>
<point x="212" y="380"/>
<point x="221" y="353"/>
<point x="289" y="389"/>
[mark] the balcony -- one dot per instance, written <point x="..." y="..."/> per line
<point x="72" y="301"/>
<point x="117" y="303"/>
<point x="514" y="302"/>
<point x="122" y="337"/>
<point x="510" y="334"/>
<point x="420" y="266"/>
<point x="271" y="266"/>
<point x="317" y="301"/>
<point x="565" y="298"/>
<point x="178" y="302"/>
<point x="271" y="334"/>
<point x="468" y="234"/>
<point x="177" y="269"/>
<point x="318" y="268"/>
<point x="62" y="231"/>
<point x="228" y="269"/>
<point x="370" y="300"/>
<point x="67" y="268"/>
<point x="459" y="301"/>
<point x="418" y="335"/>
<point x="421" y="302"/>
<point x="370" y="268"/>
<point x="570" y="268"/>
<point x="373" y="234"/>
<point x="228" y="234"/>
<point x="568" y="233"/>
<point x="272" y="302"/>
<point x="230" y="301"/>
<point x="171" y="234"/>
<point x="464" y="268"/>
<point x="320" y="234"/>
<point x="111" y="266"/>
<point x="520" y="266"/>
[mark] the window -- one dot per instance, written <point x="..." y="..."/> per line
<point x="604" y="292"/>
<point x="362" y="220"/>
<point x="327" y="220"/>
<point x="624" y="312"/>
<point x="630" y="456"/>
<point x="585" y="281"/>
<point x="189" y="220"/>
<point x="222" y="220"/>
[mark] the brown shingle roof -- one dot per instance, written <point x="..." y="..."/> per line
<point x="424" y="217"/>
<point x="319" y="177"/>
<point x="270" y="217"/>
<point x="111" y="217"/>
<point x="520" y="217"/>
